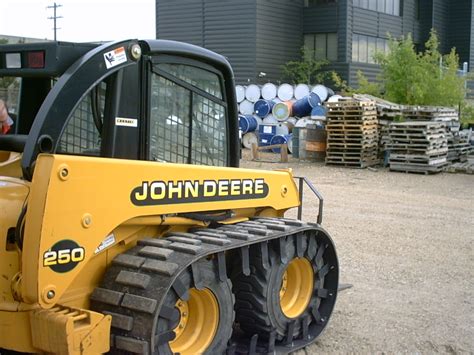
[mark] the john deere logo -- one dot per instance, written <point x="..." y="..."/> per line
<point x="188" y="191"/>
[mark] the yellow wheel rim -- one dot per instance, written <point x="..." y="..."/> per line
<point x="296" y="287"/>
<point x="199" y="318"/>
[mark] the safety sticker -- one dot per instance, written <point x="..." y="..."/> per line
<point x="115" y="57"/>
<point x="107" y="242"/>
<point x="126" y="122"/>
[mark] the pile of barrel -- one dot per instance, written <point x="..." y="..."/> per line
<point x="272" y="115"/>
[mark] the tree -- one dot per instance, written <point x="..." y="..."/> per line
<point x="308" y="70"/>
<point x="426" y="78"/>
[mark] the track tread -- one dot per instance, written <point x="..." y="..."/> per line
<point x="166" y="258"/>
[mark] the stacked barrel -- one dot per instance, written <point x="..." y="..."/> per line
<point x="268" y="114"/>
<point x="352" y="136"/>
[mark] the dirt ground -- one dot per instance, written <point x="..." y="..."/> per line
<point x="405" y="242"/>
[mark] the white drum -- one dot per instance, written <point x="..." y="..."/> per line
<point x="246" y="107"/>
<point x="301" y="90"/>
<point x="285" y="92"/>
<point x="248" y="139"/>
<point x="252" y="93"/>
<point x="321" y="91"/>
<point x="334" y="98"/>
<point x="270" y="119"/>
<point x="269" y="91"/>
<point x="240" y="93"/>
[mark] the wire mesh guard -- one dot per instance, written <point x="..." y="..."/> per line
<point x="81" y="135"/>
<point x="185" y="127"/>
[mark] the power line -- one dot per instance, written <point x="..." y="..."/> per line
<point x="55" y="17"/>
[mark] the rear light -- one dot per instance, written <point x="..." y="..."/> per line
<point x="13" y="60"/>
<point x="35" y="60"/>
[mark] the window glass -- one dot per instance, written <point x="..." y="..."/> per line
<point x="380" y="47"/>
<point x="10" y="93"/>
<point x="355" y="48"/>
<point x="396" y="7"/>
<point x="363" y="49"/>
<point x="320" y="46"/>
<point x="186" y="127"/>
<point x="332" y="46"/>
<point x="309" y="45"/>
<point x="373" y="5"/>
<point x="389" y="7"/>
<point x="200" y="78"/>
<point x="81" y="135"/>
<point x="208" y="133"/>
<point x="381" y="5"/>
<point x="169" y="121"/>
<point x="371" y="49"/>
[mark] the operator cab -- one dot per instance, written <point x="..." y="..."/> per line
<point x="142" y="100"/>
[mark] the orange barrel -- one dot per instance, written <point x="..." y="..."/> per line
<point x="316" y="142"/>
<point x="282" y="110"/>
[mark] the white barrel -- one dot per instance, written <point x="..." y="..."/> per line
<point x="302" y="122"/>
<point x="270" y="119"/>
<point x="301" y="90"/>
<point x="269" y="91"/>
<point x="292" y="120"/>
<point x="285" y="92"/>
<point x="334" y="98"/>
<point x="276" y="100"/>
<point x="240" y="93"/>
<point x="282" y="129"/>
<point x="248" y="139"/>
<point x="252" y="93"/>
<point x="246" y="107"/>
<point x="321" y="91"/>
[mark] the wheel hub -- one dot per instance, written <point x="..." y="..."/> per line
<point x="199" y="319"/>
<point x="296" y="287"/>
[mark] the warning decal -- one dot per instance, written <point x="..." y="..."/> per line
<point x="115" y="57"/>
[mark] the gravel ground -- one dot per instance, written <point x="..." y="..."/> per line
<point x="405" y="242"/>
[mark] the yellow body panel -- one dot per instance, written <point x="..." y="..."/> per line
<point x="84" y="211"/>
<point x="10" y="164"/>
<point x="85" y="199"/>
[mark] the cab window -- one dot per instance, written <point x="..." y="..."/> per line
<point x="187" y="116"/>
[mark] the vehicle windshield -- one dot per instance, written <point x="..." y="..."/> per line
<point x="10" y="94"/>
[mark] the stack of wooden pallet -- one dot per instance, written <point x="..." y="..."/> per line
<point x="430" y="113"/>
<point x="458" y="146"/>
<point x="352" y="137"/>
<point x="419" y="147"/>
<point x="387" y="112"/>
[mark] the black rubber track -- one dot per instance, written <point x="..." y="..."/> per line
<point x="257" y="306"/>
<point x="141" y="284"/>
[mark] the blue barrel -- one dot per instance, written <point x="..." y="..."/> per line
<point x="247" y="123"/>
<point x="263" y="107"/>
<point x="265" y="139"/>
<point x="280" y="139"/>
<point x="267" y="129"/>
<point x="319" y="111"/>
<point x="303" y="107"/>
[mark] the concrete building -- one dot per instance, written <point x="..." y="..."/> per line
<point x="259" y="36"/>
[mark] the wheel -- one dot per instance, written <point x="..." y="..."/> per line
<point x="295" y="295"/>
<point x="153" y="313"/>
<point x="205" y="320"/>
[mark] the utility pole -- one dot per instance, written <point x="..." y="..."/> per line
<point x="54" y="17"/>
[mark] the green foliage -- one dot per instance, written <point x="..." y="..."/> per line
<point x="408" y="77"/>
<point x="308" y="70"/>
<point x="467" y="113"/>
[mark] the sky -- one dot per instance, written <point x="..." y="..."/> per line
<point x="83" y="20"/>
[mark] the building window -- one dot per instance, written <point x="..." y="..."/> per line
<point x="321" y="46"/>
<point x="365" y="47"/>
<point x="391" y="7"/>
<point x="308" y="3"/>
